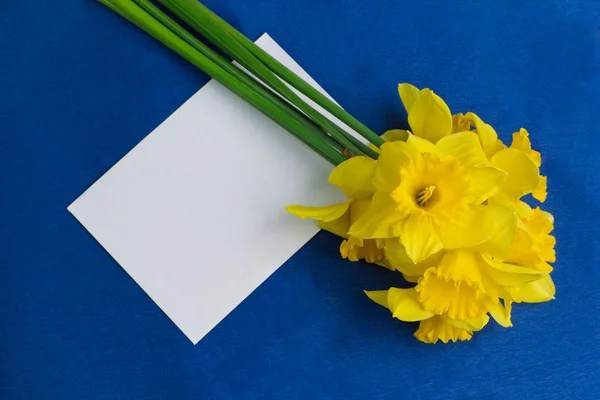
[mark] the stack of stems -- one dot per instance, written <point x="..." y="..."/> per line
<point x="268" y="94"/>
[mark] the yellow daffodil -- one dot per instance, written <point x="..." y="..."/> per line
<point x="404" y="305"/>
<point x="428" y="115"/>
<point x="522" y="161"/>
<point x="533" y="245"/>
<point x="430" y="195"/>
<point x="520" y="272"/>
<point x="454" y="296"/>
<point x="430" y="118"/>
<point x="443" y="205"/>
<point x="354" y="178"/>
<point x="531" y="253"/>
<point x="466" y="284"/>
<point x="523" y="177"/>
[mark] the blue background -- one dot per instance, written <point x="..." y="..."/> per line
<point x="79" y="87"/>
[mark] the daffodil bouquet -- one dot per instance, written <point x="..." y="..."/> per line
<point x="440" y="203"/>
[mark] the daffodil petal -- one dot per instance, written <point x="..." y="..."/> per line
<point x="355" y="177"/>
<point x="429" y="117"/>
<point x="325" y="214"/>
<point x="404" y="305"/>
<point x="395" y="135"/>
<point x="496" y="147"/>
<point x="470" y="230"/>
<point x="491" y="151"/>
<point x="339" y="227"/>
<point x="523" y="209"/>
<point x="408" y="95"/>
<point x="501" y="228"/>
<point x="541" y="191"/>
<point x="358" y="208"/>
<point x="523" y="175"/>
<point x="522" y="251"/>
<point x="502" y="314"/>
<point x="521" y="142"/>
<point x="460" y="266"/>
<point x="471" y="324"/>
<point x="419" y="237"/>
<point x="485" y="182"/>
<point x="487" y="136"/>
<point x="396" y="256"/>
<point x="378" y="296"/>
<point x="420" y="144"/>
<point x="538" y="291"/>
<point x="393" y="156"/>
<point x="507" y="274"/>
<point x="464" y="146"/>
<point x="380" y="219"/>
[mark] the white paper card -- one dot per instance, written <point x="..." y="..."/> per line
<point x="195" y="212"/>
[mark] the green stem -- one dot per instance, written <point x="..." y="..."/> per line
<point x="206" y="25"/>
<point x="145" y="21"/>
<point x="233" y="70"/>
<point x="297" y="82"/>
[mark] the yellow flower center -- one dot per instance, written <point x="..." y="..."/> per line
<point x="424" y="195"/>
<point x="437" y="186"/>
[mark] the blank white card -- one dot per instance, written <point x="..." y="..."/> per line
<point x="195" y="212"/>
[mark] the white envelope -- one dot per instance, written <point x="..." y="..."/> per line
<point x="195" y="212"/>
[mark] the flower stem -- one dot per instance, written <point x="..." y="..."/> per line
<point x="290" y="77"/>
<point x="238" y="73"/>
<point x="206" y="25"/>
<point x="138" y="16"/>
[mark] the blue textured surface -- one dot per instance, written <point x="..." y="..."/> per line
<point x="79" y="87"/>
